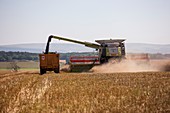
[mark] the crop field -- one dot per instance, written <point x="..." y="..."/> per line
<point x="21" y="64"/>
<point x="27" y="91"/>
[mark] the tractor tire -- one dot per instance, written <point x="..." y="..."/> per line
<point x="42" y="71"/>
<point x="56" y="70"/>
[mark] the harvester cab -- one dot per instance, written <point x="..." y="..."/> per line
<point x="111" y="49"/>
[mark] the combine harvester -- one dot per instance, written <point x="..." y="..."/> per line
<point x="107" y="49"/>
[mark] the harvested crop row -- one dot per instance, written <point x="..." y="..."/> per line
<point x="70" y="92"/>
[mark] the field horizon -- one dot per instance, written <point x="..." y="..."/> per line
<point x="70" y="47"/>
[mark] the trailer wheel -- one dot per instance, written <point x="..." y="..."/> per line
<point x="42" y="71"/>
<point x="56" y="70"/>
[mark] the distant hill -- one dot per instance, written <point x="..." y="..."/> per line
<point x="40" y="47"/>
<point x="67" y="47"/>
<point x="147" y="48"/>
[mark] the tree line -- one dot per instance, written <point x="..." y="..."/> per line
<point x="14" y="56"/>
<point x="26" y="56"/>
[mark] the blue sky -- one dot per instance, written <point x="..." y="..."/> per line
<point x="32" y="21"/>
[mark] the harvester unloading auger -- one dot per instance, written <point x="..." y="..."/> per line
<point x="107" y="49"/>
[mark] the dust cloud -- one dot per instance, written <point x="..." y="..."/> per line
<point x="65" y="68"/>
<point x="132" y="66"/>
<point x="128" y="66"/>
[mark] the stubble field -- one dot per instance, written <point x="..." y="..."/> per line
<point x="27" y="91"/>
